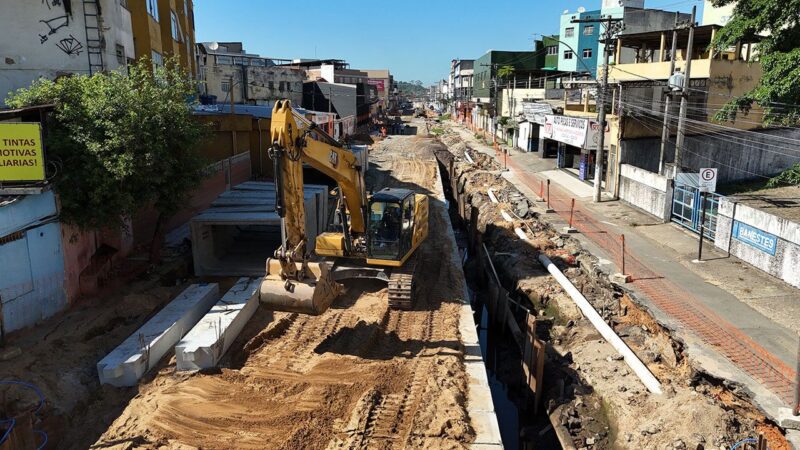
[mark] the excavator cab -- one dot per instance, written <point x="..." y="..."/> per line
<point x="390" y="224"/>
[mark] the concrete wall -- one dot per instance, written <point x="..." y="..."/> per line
<point x="646" y="190"/>
<point x="737" y="155"/>
<point x="517" y="96"/>
<point x="31" y="262"/>
<point x="43" y="39"/>
<point x="252" y="84"/>
<point x="784" y="264"/>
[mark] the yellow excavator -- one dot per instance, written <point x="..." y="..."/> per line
<point x="377" y="235"/>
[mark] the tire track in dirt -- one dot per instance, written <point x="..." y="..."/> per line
<point x="358" y="376"/>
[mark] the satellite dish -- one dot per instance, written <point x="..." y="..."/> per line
<point x="565" y="11"/>
<point x="214" y="46"/>
<point x="581" y="9"/>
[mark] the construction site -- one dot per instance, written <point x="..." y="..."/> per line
<point x="496" y="350"/>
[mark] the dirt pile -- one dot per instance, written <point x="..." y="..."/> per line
<point x="600" y="401"/>
<point x="358" y="376"/>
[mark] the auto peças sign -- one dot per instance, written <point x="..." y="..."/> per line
<point x="574" y="131"/>
<point x="21" y="153"/>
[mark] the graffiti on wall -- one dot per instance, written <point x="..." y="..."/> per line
<point x="70" y="45"/>
<point x="53" y="25"/>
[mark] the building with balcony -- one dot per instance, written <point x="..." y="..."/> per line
<point x="461" y="75"/>
<point x="736" y="146"/>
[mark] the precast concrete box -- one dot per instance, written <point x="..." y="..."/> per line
<point x="236" y="235"/>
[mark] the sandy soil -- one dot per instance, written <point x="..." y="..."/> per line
<point x="358" y="376"/>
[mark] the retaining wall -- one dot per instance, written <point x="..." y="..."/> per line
<point x="646" y="190"/>
<point x="766" y="241"/>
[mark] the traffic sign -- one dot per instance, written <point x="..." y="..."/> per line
<point x="708" y="180"/>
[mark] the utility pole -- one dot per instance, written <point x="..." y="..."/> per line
<point x="665" y="131"/>
<point x="612" y="28"/>
<point x="685" y="94"/>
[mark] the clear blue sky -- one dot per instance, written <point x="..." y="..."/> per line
<point x="414" y="39"/>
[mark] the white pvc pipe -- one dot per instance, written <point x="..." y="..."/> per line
<point x="506" y="216"/>
<point x="588" y="310"/>
<point x="521" y="234"/>
<point x="466" y="155"/>
<point x="492" y="196"/>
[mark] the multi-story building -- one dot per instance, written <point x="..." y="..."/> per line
<point x="461" y="74"/>
<point x="228" y="73"/>
<point x="716" y="77"/>
<point x="577" y="50"/>
<point x="528" y="68"/>
<point x="367" y="82"/>
<point x="46" y="39"/>
<point x="164" y="28"/>
<point x="383" y="82"/>
<point x="581" y="45"/>
<point x="551" y="52"/>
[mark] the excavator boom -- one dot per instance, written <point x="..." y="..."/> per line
<point x="293" y="282"/>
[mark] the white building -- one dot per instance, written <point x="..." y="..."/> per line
<point x="49" y="38"/>
<point x="714" y="15"/>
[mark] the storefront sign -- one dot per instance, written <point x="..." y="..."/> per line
<point x="21" y="154"/>
<point x="535" y="112"/>
<point x="754" y="237"/>
<point x="379" y="84"/>
<point x="574" y="131"/>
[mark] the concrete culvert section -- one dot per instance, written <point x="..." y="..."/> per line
<point x="357" y="376"/>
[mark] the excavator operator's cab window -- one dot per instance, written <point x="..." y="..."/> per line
<point x="385" y="223"/>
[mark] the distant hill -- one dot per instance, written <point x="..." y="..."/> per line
<point x="411" y="88"/>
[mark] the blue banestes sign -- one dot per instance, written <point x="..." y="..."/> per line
<point x="761" y="240"/>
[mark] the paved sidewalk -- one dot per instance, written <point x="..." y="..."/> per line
<point x="739" y="323"/>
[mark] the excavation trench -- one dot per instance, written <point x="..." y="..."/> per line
<point x="586" y="392"/>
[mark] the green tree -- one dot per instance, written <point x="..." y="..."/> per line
<point x="778" y="91"/>
<point x="120" y="143"/>
<point x="505" y="72"/>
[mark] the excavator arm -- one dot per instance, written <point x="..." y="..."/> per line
<point x="293" y="282"/>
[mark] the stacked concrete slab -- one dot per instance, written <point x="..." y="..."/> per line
<point x="142" y="350"/>
<point x="208" y="341"/>
<point x="241" y="229"/>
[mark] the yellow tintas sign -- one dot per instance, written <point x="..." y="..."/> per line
<point x="21" y="154"/>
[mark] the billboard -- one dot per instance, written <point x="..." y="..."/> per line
<point x="378" y="83"/>
<point x="21" y="152"/>
<point x="574" y="131"/>
<point x="536" y="112"/>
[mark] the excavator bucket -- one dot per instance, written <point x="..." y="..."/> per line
<point x="313" y="295"/>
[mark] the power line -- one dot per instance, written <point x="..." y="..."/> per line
<point x="699" y="130"/>
<point x="707" y="158"/>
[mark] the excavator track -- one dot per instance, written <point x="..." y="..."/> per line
<point x="401" y="285"/>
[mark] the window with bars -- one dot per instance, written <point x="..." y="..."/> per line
<point x="226" y="86"/>
<point x="120" y="52"/>
<point x="588" y="30"/>
<point x="569" y="32"/>
<point x="552" y="50"/>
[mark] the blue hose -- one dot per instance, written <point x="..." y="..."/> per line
<point x="745" y="441"/>
<point x="13" y="422"/>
